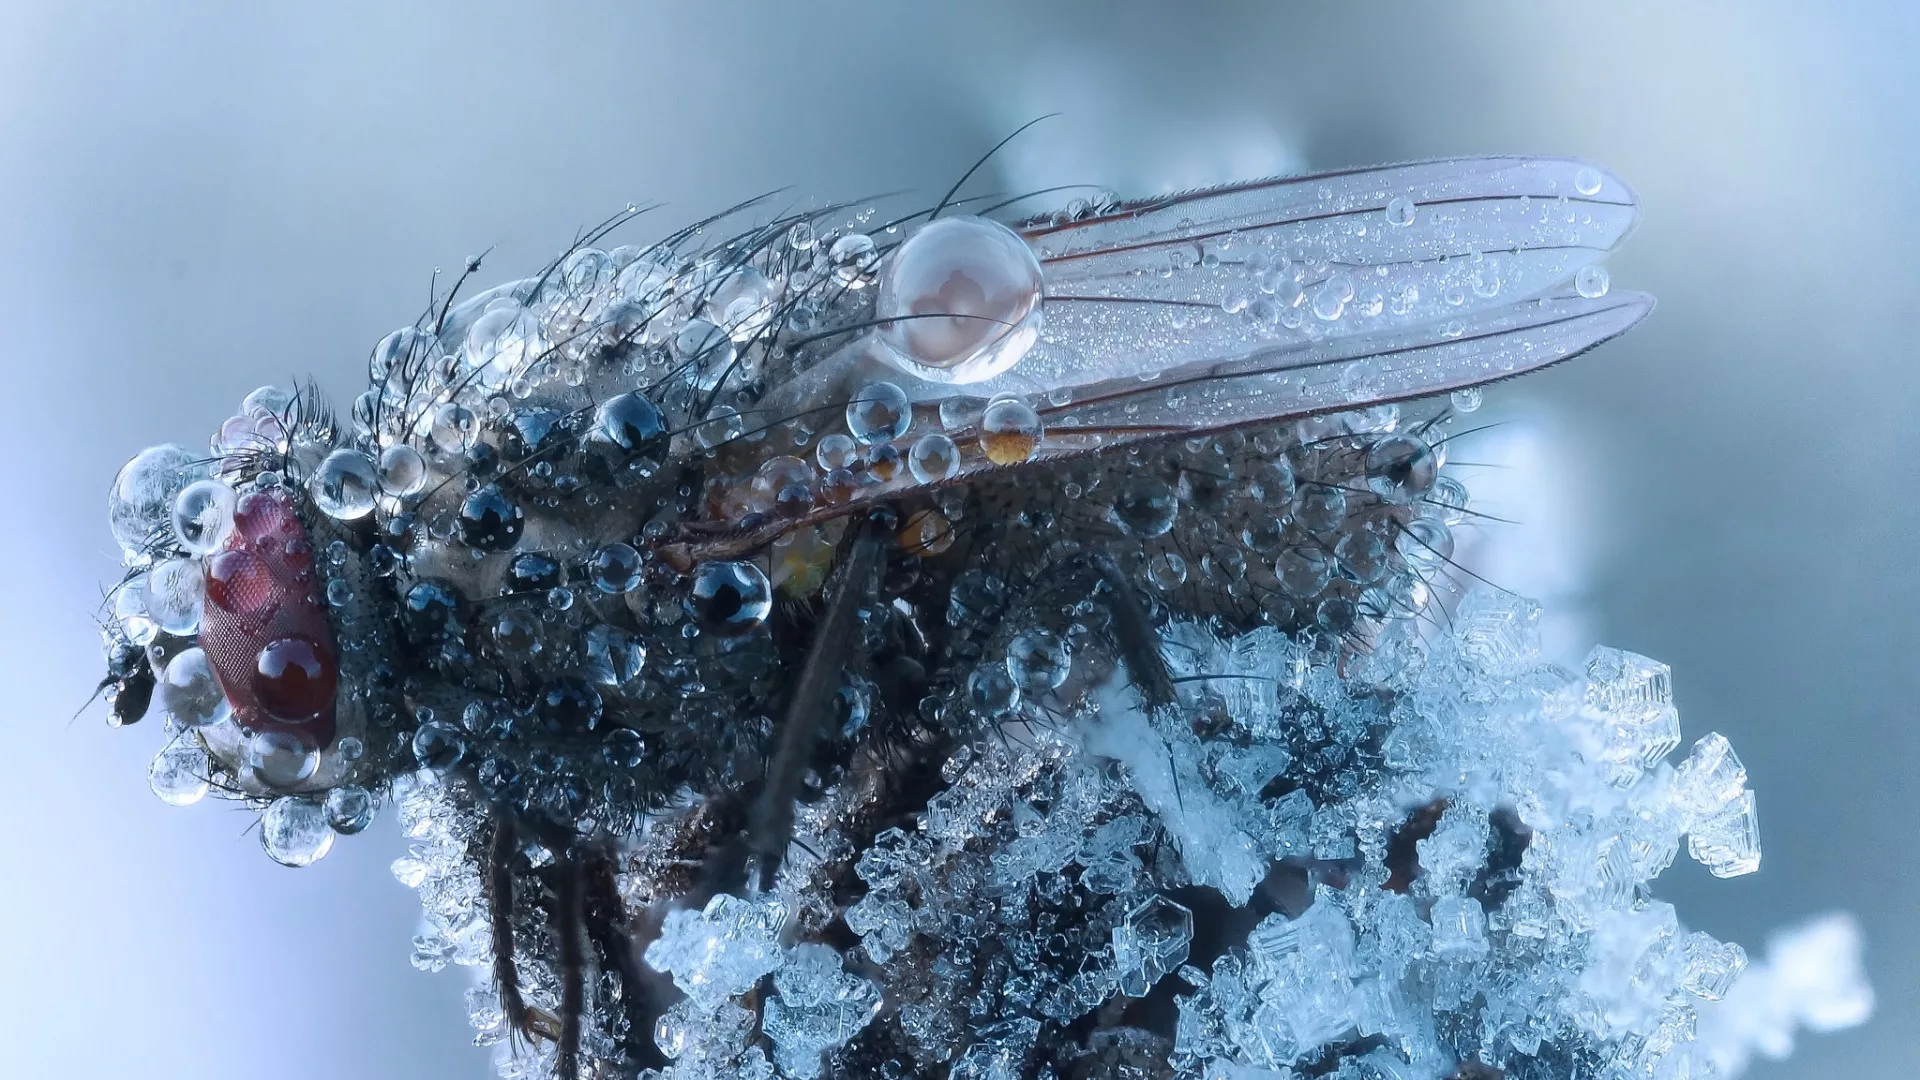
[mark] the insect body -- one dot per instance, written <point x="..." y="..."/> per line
<point x="646" y="555"/>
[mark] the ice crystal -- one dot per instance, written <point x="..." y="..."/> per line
<point x="721" y="950"/>
<point x="1393" y="882"/>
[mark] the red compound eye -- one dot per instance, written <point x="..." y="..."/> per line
<point x="264" y="629"/>
<point x="240" y="583"/>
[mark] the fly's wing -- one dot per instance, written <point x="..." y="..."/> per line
<point x="1279" y="299"/>
<point x="1216" y="276"/>
<point x="1343" y="372"/>
<point x="1283" y="298"/>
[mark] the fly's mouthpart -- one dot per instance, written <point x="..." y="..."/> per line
<point x="951" y="646"/>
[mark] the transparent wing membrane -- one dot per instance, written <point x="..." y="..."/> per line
<point x="1348" y="372"/>
<point x="1218" y="275"/>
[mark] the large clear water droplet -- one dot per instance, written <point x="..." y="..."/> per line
<point x="345" y="485"/>
<point x="203" y="515"/>
<point x="190" y="693"/>
<point x="176" y="589"/>
<point x="962" y="300"/>
<point x="179" y="773"/>
<point x="295" y="832"/>
<point x="140" y="503"/>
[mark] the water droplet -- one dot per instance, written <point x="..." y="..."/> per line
<point x="452" y="429"/>
<point x="1320" y="507"/>
<point x="729" y="597"/>
<point x="1038" y="660"/>
<point x="517" y="631"/>
<point x="1363" y="554"/>
<point x="927" y="532"/>
<point x="991" y="692"/>
<point x="1400" y="211"/>
<point x="438" y="746"/>
<point x="203" y="515"/>
<point x="140" y="504"/>
<point x="1448" y="501"/>
<point x="631" y="424"/>
<point x="616" y="569"/>
<point x="179" y="774"/>
<point x="1167" y="570"/>
<point x="349" y="809"/>
<point x="176" y="589"/>
<point x="1272" y="483"/>
<point x="723" y="425"/>
<point x="403" y="472"/>
<point x="1010" y="432"/>
<point x="1303" y="571"/>
<point x="1145" y="506"/>
<point x="490" y="521"/>
<point x="710" y="349"/>
<point x="1466" y="399"/>
<point x="294" y="831"/>
<point x="569" y="705"/>
<point x="1592" y="282"/>
<point x="1328" y="304"/>
<point x="743" y="304"/>
<point x="1587" y="180"/>
<point x="190" y="693"/>
<point x="281" y="759"/>
<point x="1336" y="614"/>
<point x="502" y="345"/>
<point x="345" y="485"/>
<point x="615" y="655"/>
<point x="406" y="353"/>
<point x="879" y="412"/>
<point x="1400" y="469"/>
<point x="962" y="300"/>
<point x="854" y="260"/>
<point x="933" y="458"/>
<point x="623" y="748"/>
<point x="1424" y="543"/>
<point x="294" y="678"/>
<point x="837" y="451"/>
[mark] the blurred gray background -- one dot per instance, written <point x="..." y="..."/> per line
<point x="196" y="198"/>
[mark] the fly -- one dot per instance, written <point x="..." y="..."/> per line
<point x="645" y="558"/>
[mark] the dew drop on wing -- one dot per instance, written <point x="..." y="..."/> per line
<point x="959" y="300"/>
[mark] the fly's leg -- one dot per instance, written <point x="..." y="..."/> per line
<point x="612" y="937"/>
<point x="566" y="914"/>
<point x="770" y="823"/>
<point x="1133" y="633"/>
<point x="502" y="846"/>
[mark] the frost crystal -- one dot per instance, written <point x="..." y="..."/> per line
<point x="1308" y="874"/>
<point x="1150" y="943"/>
<point x="721" y="950"/>
<point x="818" y="1008"/>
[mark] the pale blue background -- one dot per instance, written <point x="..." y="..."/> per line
<point x="196" y="198"/>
